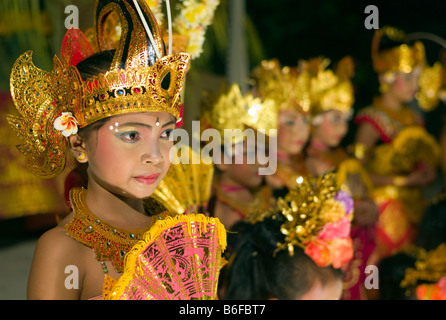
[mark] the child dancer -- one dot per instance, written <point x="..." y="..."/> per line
<point x="113" y="110"/>
<point x="298" y="252"/>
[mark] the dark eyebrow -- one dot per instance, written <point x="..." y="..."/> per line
<point x="146" y="125"/>
<point x="169" y="123"/>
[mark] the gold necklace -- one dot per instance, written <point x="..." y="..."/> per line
<point x="108" y="242"/>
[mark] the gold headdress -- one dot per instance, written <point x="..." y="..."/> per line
<point x="330" y="90"/>
<point x="402" y="58"/>
<point x="52" y="104"/>
<point x="432" y="84"/>
<point x="232" y="111"/>
<point x="430" y="267"/>
<point x="285" y="85"/>
<point x="318" y="219"/>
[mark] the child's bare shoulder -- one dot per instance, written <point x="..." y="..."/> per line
<point x="57" y="243"/>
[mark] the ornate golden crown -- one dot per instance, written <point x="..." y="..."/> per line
<point x="285" y="85"/>
<point x="330" y="90"/>
<point x="141" y="78"/>
<point x="402" y="58"/>
<point x="318" y="218"/>
<point x="233" y="110"/>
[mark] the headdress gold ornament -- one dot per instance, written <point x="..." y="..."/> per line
<point x="141" y="78"/>
<point x="430" y="267"/>
<point x="318" y="219"/>
<point x="233" y="110"/>
<point x="285" y="85"/>
<point x="330" y="90"/>
<point x="402" y="58"/>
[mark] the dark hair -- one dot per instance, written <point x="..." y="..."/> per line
<point x="391" y="272"/>
<point x="88" y="68"/>
<point x="255" y="272"/>
<point x="432" y="229"/>
<point x="96" y="64"/>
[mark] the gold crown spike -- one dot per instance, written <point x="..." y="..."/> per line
<point x="288" y="87"/>
<point x="232" y="111"/>
<point x="330" y="90"/>
<point x="187" y="185"/>
<point x="134" y="83"/>
<point x="402" y="58"/>
<point x="318" y="217"/>
<point x="430" y="266"/>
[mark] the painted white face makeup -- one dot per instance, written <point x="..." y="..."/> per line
<point x="130" y="154"/>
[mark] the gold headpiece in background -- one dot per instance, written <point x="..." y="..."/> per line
<point x="402" y="58"/>
<point x="285" y="85"/>
<point x="330" y="90"/>
<point x="233" y="110"/>
<point x="429" y="267"/>
<point x="141" y="78"/>
<point x="432" y="84"/>
<point x="318" y="219"/>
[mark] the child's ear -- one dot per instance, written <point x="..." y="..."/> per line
<point x="77" y="148"/>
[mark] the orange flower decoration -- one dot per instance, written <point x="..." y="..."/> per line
<point x="435" y="291"/>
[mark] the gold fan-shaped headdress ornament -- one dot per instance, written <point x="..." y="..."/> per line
<point x="330" y="89"/>
<point x="233" y="110"/>
<point x="288" y="87"/>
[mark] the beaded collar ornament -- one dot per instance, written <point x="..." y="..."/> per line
<point x="108" y="242"/>
<point x="142" y="78"/>
<point x="318" y="219"/>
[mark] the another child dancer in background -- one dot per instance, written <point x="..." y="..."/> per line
<point x="399" y="154"/>
<point x="290" y="89"/>
<point x="238" y="190"/>
<point x="297" y="253"/>
<point x="332" y="98"/>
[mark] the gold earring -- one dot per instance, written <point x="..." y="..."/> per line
<point x="81" y="156"/>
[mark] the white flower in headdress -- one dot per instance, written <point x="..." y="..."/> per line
<point x="66" y="123"/>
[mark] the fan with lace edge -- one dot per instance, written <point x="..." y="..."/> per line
<point x="179" y="258"/>
<point x="187" y="185"/>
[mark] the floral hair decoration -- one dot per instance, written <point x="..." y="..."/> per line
<point x="428" y="276"/>
<point x="318" y="219"/>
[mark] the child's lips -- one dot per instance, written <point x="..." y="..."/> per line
<point x="147" y="179"/>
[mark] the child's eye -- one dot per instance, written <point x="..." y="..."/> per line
<point x="131" y="136"/>
<point x="165" y="135"/>
<point x="289" y="123"/>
